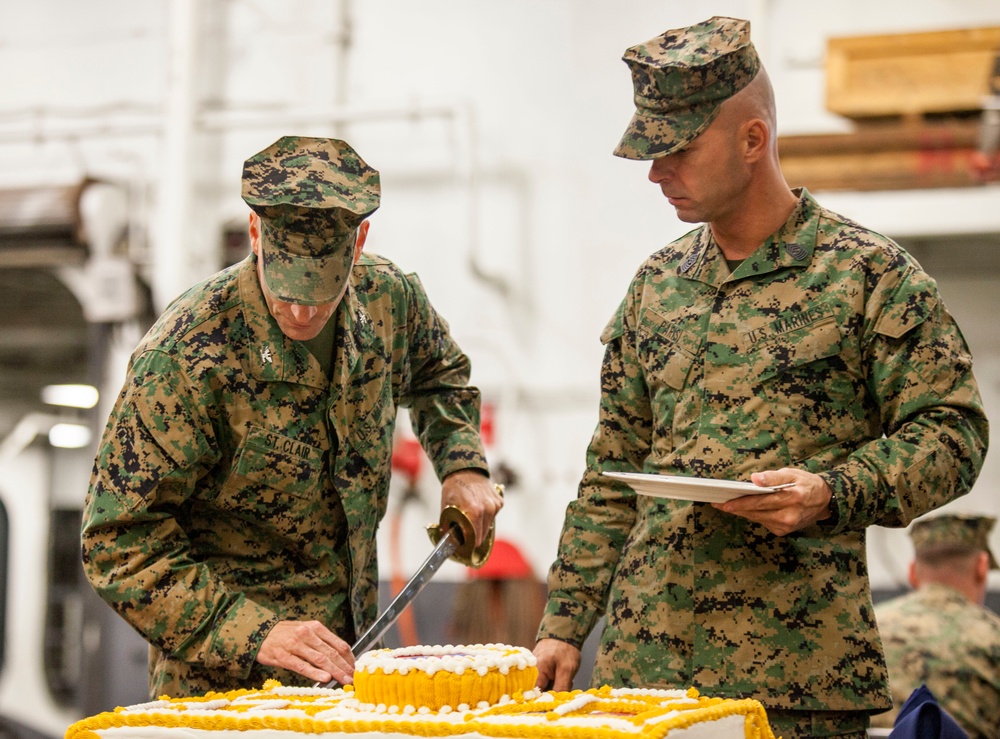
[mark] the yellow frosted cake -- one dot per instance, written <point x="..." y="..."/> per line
<point x="277" y="712"/>
<point x="435" y="677"/>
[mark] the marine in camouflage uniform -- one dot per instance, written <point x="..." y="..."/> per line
<point x="940" y="635"/>
<point x="241" y="478"/>
<point x="802" y="355"/>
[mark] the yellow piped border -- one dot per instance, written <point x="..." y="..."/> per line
<point x="643" y="708"/>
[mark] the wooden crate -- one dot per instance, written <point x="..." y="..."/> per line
<point x="910" y="74"/>
<point x="884" y="155"/>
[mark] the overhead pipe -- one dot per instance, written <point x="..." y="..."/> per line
<point x="173" y="226"/>
<point x="180" y="121"/>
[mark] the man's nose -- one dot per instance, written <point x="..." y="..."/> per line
<point x="302" y="313"/>
<point x="660" y="169"/>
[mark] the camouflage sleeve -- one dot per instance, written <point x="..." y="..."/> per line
<point x="919" y="370"/>
<point x="598" y="521"/>
<point x="157" y="444"/>
<point x="444" y="408"/>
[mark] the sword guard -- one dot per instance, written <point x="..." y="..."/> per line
<point x="467" y="552"/>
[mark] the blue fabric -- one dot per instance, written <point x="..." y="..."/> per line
<point x="922" y="718"/>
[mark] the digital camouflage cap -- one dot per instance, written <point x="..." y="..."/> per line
<point x="953" y="532"/>
<point x="680" y="78"/>
<point x="311" y="195"/>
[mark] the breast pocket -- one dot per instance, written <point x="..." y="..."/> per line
<point x="275" y="482"/>
<point x="796" y="350"/>
<point x="814" y="387"/>
<point x="372" y="421"/>
<point x="666" y="351"/>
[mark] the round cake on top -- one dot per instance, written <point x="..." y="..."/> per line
<point x="433" y="677"/>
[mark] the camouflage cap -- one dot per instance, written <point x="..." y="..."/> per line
<point x="311" y="195"/>
<point x="954" y="531"/>
<point x="680" y="78"/>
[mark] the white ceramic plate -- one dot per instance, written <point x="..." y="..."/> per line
<point x="698" y="489"/>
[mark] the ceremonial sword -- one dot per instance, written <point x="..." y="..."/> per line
<point x="453" y="537"/>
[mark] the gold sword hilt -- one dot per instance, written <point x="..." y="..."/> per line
<point x="467" y="552"/>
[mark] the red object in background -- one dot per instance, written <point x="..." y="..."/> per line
<point x="505" y="563"/>
<point x="487" y="421"/>
<point x="408" y="457"/>
<point x="986" y="168"/>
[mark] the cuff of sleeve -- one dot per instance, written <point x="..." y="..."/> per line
<point x="841" y="500"/>
<point x="462" y="458"/>
<point x="238" y="639"/>
<point x="831" y="522"/>
<point x="565" y="621"/>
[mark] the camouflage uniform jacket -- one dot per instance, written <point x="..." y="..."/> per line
<point x="936" y="637"/>
<point x="825" y="338"/>
<point x="236" y="485"/>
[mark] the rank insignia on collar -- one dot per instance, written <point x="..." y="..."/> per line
<point x="689" y="261"/>
<point x="795" y="250"/>
<point x="265" y="355"/>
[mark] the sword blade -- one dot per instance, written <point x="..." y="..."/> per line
<point x="445" y="548"/>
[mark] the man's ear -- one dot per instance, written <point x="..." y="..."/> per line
<point x="359" y="245"/>
<point x="255" y="233"/>
<point x="757" y="139"/>
<point x="982" y="567"/>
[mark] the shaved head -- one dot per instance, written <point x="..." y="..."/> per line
<point x="755" y="102"/>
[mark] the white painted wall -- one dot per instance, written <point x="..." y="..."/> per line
<point x="492" y="122"/>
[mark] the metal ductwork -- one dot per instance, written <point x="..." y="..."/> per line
<point x="63" y="279"/>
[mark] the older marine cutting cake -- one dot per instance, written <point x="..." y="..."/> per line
<point x="469" y="692"/>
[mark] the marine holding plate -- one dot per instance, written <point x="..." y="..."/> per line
<point x="777" y="342"/>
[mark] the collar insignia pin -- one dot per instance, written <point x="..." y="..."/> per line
<point x="265" y="354"/>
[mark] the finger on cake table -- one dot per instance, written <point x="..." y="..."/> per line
<point x="557" y="663"/>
